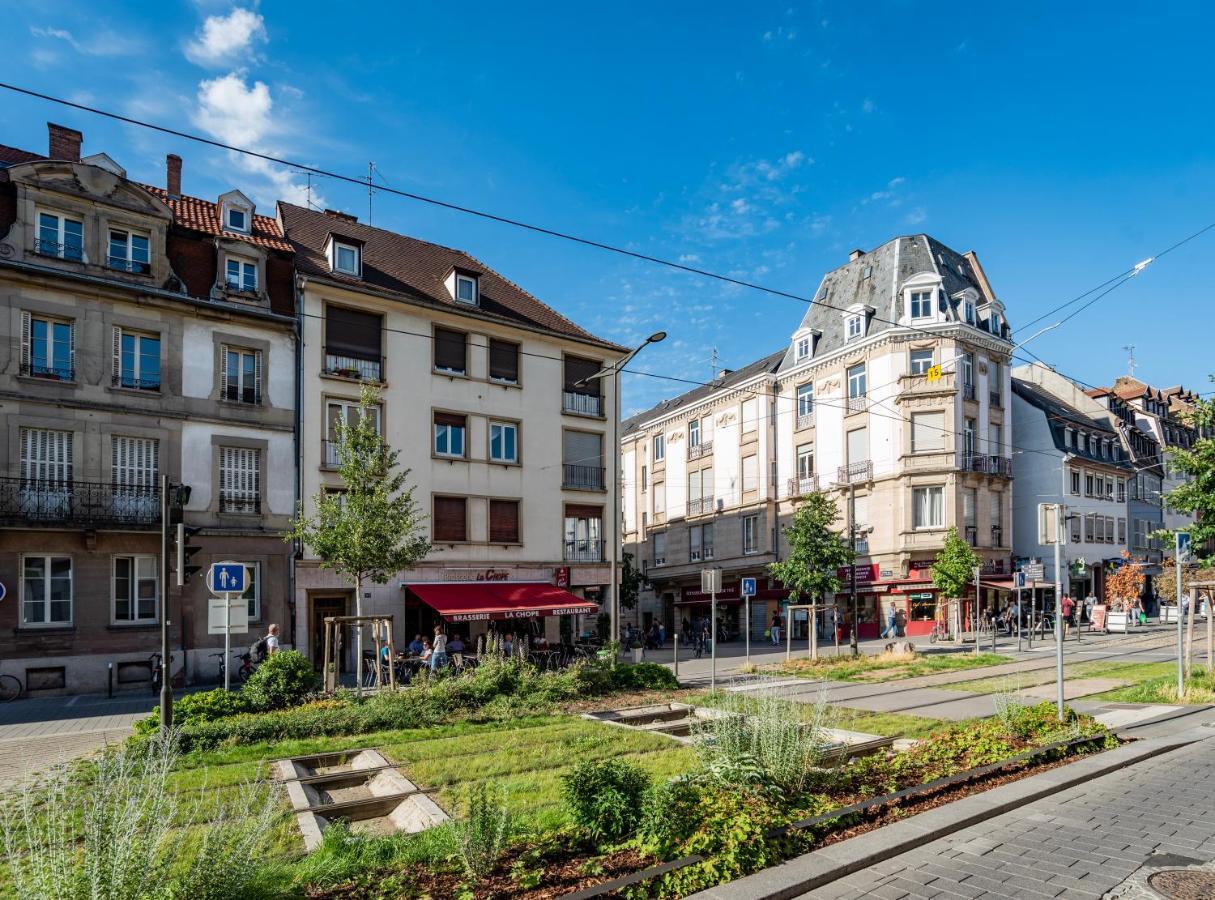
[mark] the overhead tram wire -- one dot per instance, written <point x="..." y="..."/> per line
<point x="538" y="229"/>
<point x="365" y="183"/>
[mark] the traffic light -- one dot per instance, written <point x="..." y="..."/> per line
<point x="184" y="552"/>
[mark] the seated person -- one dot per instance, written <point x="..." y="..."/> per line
<point x="508" y="644"/>
<point x="455" y="645"/>
<point x="425" y="654"/>
<point x="416" y="645"/>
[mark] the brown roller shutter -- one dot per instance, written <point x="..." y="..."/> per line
<point x="450" y="519"/>
<point x="580" y="511"/>
<point x="503" y="360"/>
<point x="576" y="369"/>
<point x="442" y="418"/>
<point x="349" y="332"/>
<point x="504" y="521"/>
<point x="451" y="350"/>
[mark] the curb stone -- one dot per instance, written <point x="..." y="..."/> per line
<point x="811" y="870"/>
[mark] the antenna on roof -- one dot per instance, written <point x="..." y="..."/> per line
<point x="713" y="374"/>
<point x="370" y="189"/>
<point x="1130" y="361"/>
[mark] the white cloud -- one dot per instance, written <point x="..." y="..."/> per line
<point x="100" y="42"/>
<point x="224" y="39"/>
<point x="916" y="216"/>
<point x="867" y="105"/>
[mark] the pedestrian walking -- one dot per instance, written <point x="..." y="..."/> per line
<point x="891" y="629"/>
<point x="1068" y="606"/>
<point x="776" y="625"/>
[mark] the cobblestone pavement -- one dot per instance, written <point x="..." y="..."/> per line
<point x="1082" y="843"/>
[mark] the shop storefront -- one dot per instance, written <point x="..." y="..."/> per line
<point x="769" y="598"/>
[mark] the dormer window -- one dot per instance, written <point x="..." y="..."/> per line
<point x="128" y="251"/>
<point x="854" y="327"/>
<point x="803" y="348"/>
<point x="921" y="304"/>
<point x="970" y="312"/>
<point x="241" y="275"/>
<point x="346" y="258"/>
<point x="238" y="220"/>
<point x="236" y="212"/>
<point x="466" y="289"/>
<point x="60" y="236"/>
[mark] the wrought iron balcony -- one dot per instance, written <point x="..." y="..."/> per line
<point x="74" y="252"/>
<point x="704" y="448"/>
<point x="143" y="383"/>
<point x="697" y="554"/>
<point x="858" y="404"/>
<point x="996" y="399"/>
<point x="245" y="503"/>
<point x="701" y="506"/>
<point x="135" y="266"/>
<point x="968" y="392"/>
<point x="352" y="367"/>
<point x="997" y="536"/>
<point x="83" y="504"/>
<point x="985" y="464"/>
<point x="583" y="404"/>
<point x="52" y="372"/>
<point x="855" y="473"/>
<point x="584" y="551"/>
<point x="799" y="487"/>
<point x="805" y="420"/>
<point x="972" y="535"/>
<point x="586" y="478"/>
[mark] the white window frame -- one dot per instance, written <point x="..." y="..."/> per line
<point x="347" y="411"/>
<point x="128" y="262"/>
<point x="241" y="353"/>
<point x="927" y="491"/>
<point x="915" y="360"/>
<point x="853" y="327"/>
<point x="803" y="349"/>
<point x="47" y="559"/>
<point x="918" y="302"/>
<point x="357" y="268"/>
<point x="970" y="312"/>
<point x="694" y="433"/>
<point x="750" y="534"/>
<point x="54" y="367"/>
<point x="244" y="268"/>
<point x="60" y="250"/>
<point x="240" y="485"/>
<point x="660" y="548"/>
<point x="253" y="592"/>
<point x="447" y="431"/>
<point x="231" y="208"/>
<point x="660" y="447"/>
<point x="805" y="462"/>
<point x="119" y="377"/>
<point x="805" y="399"/>
<point x="502" y="428"/>
<point x="857" y="376"/>
<point x="133" y="600"/>
<point x="472" y="283"/>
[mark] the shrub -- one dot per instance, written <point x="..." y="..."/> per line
<point x="643" y="676"/>
<point x="483" y="833"/>
<point x="605" y="798"/>
<point x="282" y="680"/>
<point x="116" y="828"/>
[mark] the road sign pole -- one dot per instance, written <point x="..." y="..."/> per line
<point x="747" y="627"/>
<point x="713" y="641"/>
<point x="1177" y="572"/>
<point x="228" y="643"/>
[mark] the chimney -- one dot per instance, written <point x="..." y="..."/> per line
<point x="173" y="175"/>
<point x="855" y="254"/>
<point x="64" y="142"/>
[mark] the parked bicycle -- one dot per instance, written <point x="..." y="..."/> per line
<point x="10" y="688"/>
<point x="157" y="672"/>
<point x="939" y="633"/>
<point x="242" y="672"/>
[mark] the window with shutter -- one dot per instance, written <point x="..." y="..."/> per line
<point x="48" y="347"/>
<point x="449" y="430"/>
<point x="927" y="432"/>
<point x="240" y="375"/>
<point x="577" y="369"/>
<point x="504" y="521"/>
<point x="46" y="456"/>
<point x="353" y="341"/>
<point x="450" y="520"/>
<point x="451" y="351"/>
<point x="503" y="361"/>
<point x="240" y="480"/>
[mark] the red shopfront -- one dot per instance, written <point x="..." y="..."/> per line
<point x="869" y="607"/>
<point x="769" y="597"/>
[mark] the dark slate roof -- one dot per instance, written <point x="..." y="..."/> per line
<point x="768" y="364"/>
<point x="1060" y="415"/>
<point x="888" y="266"/>
<point x="416" y="270"/>
<point x="12" y="156"/>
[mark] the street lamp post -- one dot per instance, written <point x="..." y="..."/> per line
<point x="614" y="371"/>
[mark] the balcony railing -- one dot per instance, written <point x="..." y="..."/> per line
<point x="858" y="404"/>
<point x="583" y="404"/>
<point x="149" y="383"/>
<point x="916" y="384"/>
<point x="584" y="551"/>
<point x="701" y="506"/>
<point x="351" y="367"/>
<point x="240" y="503"/>
<point x="26" y="501"/>
<point x="805" y="420"/>
<point x="996" y="400"/>
<point x="697" y="554"/>
<point x="73" y="252"/>
<point x="972" y="535"/>
<point x="997" y="536"/>
<point x="586" y="478"/>
<point x="968" y="392"/>
<point x="799" y="487"/>
<point x="129" y="265"/>
<point x="985" y="464"/>
<point x="704" y="448"/>
<point x="856" y="472"/>
<point x="51" y="372"/>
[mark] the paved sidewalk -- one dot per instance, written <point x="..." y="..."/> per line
<point x="1082" y="842"/>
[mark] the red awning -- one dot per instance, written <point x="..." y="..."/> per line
<point x="481" y="601"/>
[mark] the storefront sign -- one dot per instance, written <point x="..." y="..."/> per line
<point x="1097" y="617"/>
<point x="476" y="575"/>
<point x="865" y="574"/>
<point x="887" y="573"/>
<point x="561" y="576"/>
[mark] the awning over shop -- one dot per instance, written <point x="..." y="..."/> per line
<point x="484" y="601"/>
<point x="1010" y="584"/>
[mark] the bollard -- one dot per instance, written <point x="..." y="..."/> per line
<point x="676" y="656"/>
<point x="110" y="681"/>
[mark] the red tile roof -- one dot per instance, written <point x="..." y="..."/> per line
<point x="203" y="215"/>
<point x="416" y="269"/>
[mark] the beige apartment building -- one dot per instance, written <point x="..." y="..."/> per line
<point x="892" y="396"/>
<point x="482" y="396"/>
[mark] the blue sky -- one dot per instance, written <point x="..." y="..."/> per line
<point x="1062" y="142"/>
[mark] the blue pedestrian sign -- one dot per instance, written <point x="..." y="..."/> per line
<point x="1020" y="579"/>
<point x="228" y="577"/>
<point x="748" y="587"/>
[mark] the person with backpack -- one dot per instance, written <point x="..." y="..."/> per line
<point x="267" y="644"/>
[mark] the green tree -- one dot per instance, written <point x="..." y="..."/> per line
<point x="953" y="571"/>
<point x="816" y="551"/>
<point x="373" y="528"/>
<point x="631" y="582"/>
<point x="1197" y="495"/>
